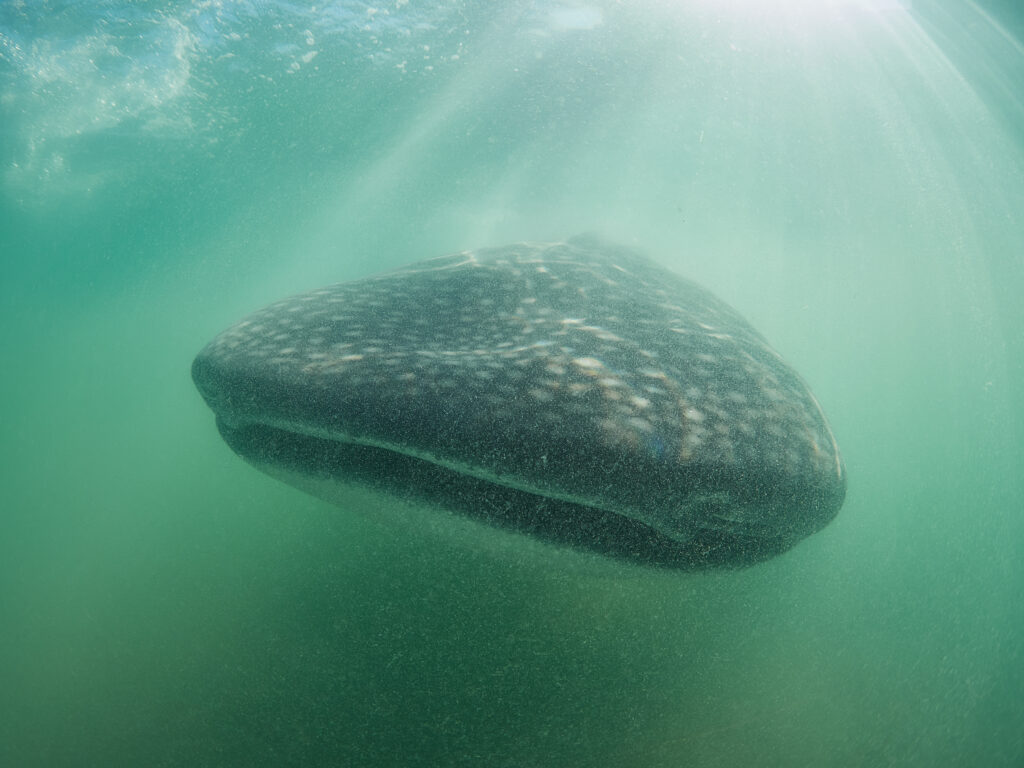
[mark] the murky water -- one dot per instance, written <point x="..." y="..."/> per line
<point x="848" y="175"/>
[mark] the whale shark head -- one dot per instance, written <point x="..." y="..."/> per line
<point x="574" y="391"/>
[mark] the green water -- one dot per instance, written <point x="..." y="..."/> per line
<point x="849" y="175"/>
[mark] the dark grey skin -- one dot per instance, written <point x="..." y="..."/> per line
<point x="575" y="391"/>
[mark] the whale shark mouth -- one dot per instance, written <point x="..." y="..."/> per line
<point x="316" y="463"/>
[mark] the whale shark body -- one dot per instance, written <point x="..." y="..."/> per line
<point x="573" y="391"/>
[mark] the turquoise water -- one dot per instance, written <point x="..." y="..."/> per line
<point x="848" y="174"/>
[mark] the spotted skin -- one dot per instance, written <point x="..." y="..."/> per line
<point x="576" y="391"/>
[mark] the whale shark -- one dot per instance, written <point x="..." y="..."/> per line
<point x="577" y="392"/>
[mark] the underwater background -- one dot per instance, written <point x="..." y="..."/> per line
<point x="848" y="174"/>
